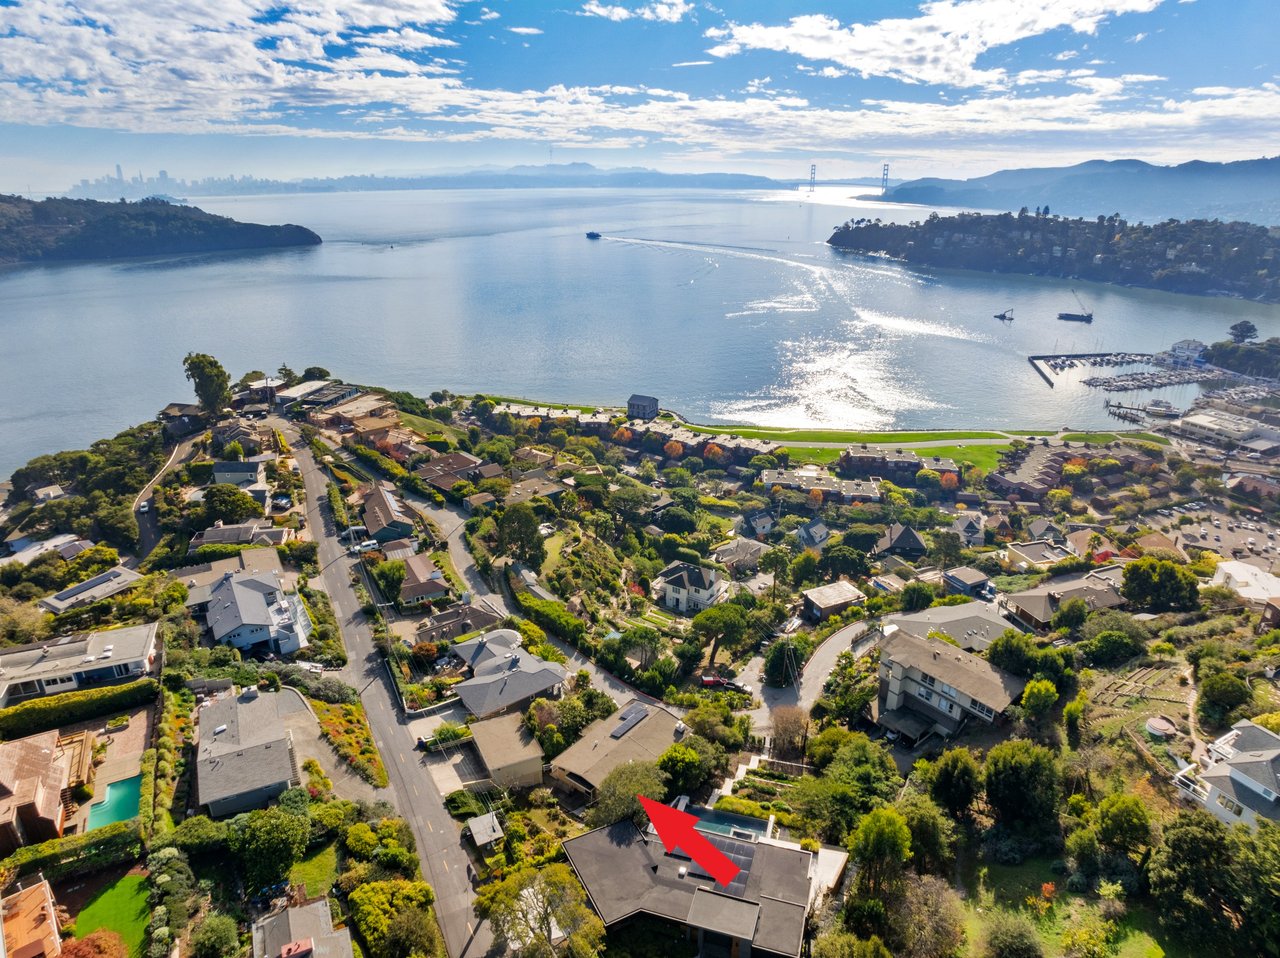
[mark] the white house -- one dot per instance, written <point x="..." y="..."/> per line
<point x="686" y="587"/>
<point x="1243" y="779"/>
<point x="245" y="609"/>
<point x="1253" y="584"/>
<point x="72" y="662"/>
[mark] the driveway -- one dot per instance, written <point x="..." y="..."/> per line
<point x="812" y="677"/>
<point x="455" y="767"/>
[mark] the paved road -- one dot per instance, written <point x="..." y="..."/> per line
<point x="148" y="527"/>
<point x="444" y="859"/>
<point x="812" y="677"/>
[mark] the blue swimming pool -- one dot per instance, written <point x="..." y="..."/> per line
<point x="727" y="823"/>
<point x="119" y="804"/>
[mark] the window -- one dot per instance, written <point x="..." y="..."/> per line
<point x="980" y="709"/>
<point x="947" y="706"/>
<point x="925" y="694"/>
<point x="948" y="690"/>
<point x="928" y="680"/>
<point x="1234" y="807"/>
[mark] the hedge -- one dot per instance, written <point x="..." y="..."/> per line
<point x="54" y="711"/>
<point x="147" y="798"/>
<point x="77" y="854"/>
<point x="553" y="617"/>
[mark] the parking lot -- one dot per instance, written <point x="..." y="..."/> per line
<point x="1212" y="528"/>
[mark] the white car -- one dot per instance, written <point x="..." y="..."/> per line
<point x="145" y="507"/>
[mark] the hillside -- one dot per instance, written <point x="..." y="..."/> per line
<point x="1204" y="257"/>
<point x="58" y="229"/>
<point x="1244" y="190"/>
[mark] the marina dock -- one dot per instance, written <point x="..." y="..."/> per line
<point x="1057" y="362"/>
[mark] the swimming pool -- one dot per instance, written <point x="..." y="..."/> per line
<point x="728" y="823"/>
<point x="119" y="805"/>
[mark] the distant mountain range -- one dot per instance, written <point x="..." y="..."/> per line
<point x="550" y="176"/>
<point x="1247" y="190"/>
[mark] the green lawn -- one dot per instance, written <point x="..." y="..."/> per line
<point x="318" y="870"/>
<point x="846" y="435"/>
<point x="984" y="457"/>
<point x="1102" y="437"/>
<point x="445" y="565"/>
<point x="121" y="907"/>
<point x="819" y="455"/>
<point x="428" y="426"/>
<point x="554" y="544"/>
<point x="551" y="405"/>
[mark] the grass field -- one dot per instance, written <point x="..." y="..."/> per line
<point x="984" y="457"/>
<point x="554" y="544"/>
<point x="121" y="907"/>
<point x="428" y="427"/>
<point x="801" y="436"/>
<point x="552" y="405"/>
<point x="815" y="454"/>
<point x="318" y="870"/>
<point x="1102" y="437"/>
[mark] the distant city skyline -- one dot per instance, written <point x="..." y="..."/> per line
<point x="325" y="88"/>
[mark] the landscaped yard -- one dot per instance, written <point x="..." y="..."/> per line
<point x="553" y="544"/>
<point x="318" y="870"/>
<point x="845" y="435"/>
<point x="984" y="457"/>
<point x="121" y="907"/>
<point x="347" y="730"/>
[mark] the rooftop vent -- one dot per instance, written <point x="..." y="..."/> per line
<point x="219" y="730"/>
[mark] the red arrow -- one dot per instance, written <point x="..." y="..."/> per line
<point x="675" y="828"/>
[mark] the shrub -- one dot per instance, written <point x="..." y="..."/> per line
<point x="217" y="937"/>
<point x="54" y="711"/>
<point x="81" y="854"/>
<point x="1011" y="935"/>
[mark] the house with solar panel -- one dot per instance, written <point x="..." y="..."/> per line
<point x="627" y="872"/>
<point x="638" y="733"/>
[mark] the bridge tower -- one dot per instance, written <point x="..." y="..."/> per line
<point x="884" y="180"/>
<point x="813" y="176"/>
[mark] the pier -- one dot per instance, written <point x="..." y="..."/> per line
<point x="1056" y="362"/>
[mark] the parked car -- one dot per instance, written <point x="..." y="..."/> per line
<point x="146" y="506"/>
<point x="713" y="682"/>
<point x="739" y="687"/>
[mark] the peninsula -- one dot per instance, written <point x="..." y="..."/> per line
<point x="1203" y="257"/>
<point x="60" y="230"/>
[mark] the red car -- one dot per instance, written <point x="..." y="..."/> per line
<point x="713" y="682"/>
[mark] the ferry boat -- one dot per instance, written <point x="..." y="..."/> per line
<point x="593" y="235"/>
<point x="1162" y="408"/>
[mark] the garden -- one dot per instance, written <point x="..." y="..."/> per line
<point x="346" y="728"/>
<point x="122" y="907"/>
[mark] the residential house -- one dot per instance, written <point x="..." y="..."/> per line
<point x="1041" y="528"/>
<point x="740" y="556"/>
<point x="686" y="587"/>
<point x="385" y="516"/>
<point x="72" y="662"/>
<point x="928" y="685"/>
<point x="973" y="625"/>
<point x="503" y="675"/>
<point x="301" y="931"/>
<point x="249" y="476"/>
<point x="1243" y="778"/>
<point x="1093" y="542"/>
<point x="808" y="477"/>
<point x="1256" y="586"/>
<point x="481" y="500"/>
<point x="244" y="752"/>
<point x="814" y="534"/>
<point x="1098" y="589"/>
<point x="258" y="559"/>
<point x="758" y="523"/>
<point x="823" y="602"/>
<point x="535" y="456"/>
<point x="40" y="494"/>
<point x="31" y="922"/>
<point x="255" y="532"/>
<point x="638" y="733"/>
<point x="33" y="774"/>
<point x="509" y="751"/>
<point x="964" y="580"/>
<point x="444" y="472"/>
<point x="1036" y="554"/>
<point x="24" y="548"/>
<point x="251" y="436"/>
<point x="314" y="401"/>
<point x="533" y="485"/>
<point x="288" y="396"/>
<point x="455" y="622"/>
<point x="889" y="583"/>
<point x="399" y="549"/>
<point x="248" y="609"/>
<point x="104" y="585"/>
<point x="969" y="526"/>
<point x="902" y="541"/>
<point x="360" y="407"/>
<point x="1270" y="616"/>
<point x="642" y="407"/>
<point x="897" y="465"/>
<point x="423" y="582"/>
<point x="486" y="831"/>
<point x="762" y="913"/>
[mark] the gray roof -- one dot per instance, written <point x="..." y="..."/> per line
<point x="257" y="559"/>
<point x="69" y="654"/>
<point x="511" y="680"/>
<point x="504" y="740"/>
<point x="898" y="538"/>
<point x="475" y="652"/>
<point x="833" y="594"/>
<point x="238" y="599"/>
<point x="382" y="508"/>
<point x="975" y="677"/>
<point x="596" y="753"/>
<point x="102" y="586"/>
<point x="686" y="575"/>
<point x="485" y="828"/>
<point x="741" y="550"/>
<point x="641" y="398"/>
<point x="1099" y="588"/>
<point x="967" y="575"/>
<point x="626" y="871"/>
<point x="255" y="530"/>
<point x="305" y="923"/>
<point x="251" y="751"/>
<point x="975" y="625"/>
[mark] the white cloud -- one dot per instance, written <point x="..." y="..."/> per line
<point x="664" y="11"/>
<point x="693" y="63"/>
<point x="940" y="46"/>
<point x="525" y="31"/>
<point x="758" y="85"/>
<point x="1137" y="38"/>
<point x="487" y="14"/>
<point x="1066" y="55"/>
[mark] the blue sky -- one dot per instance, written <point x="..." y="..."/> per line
<point x="324" y="87"/>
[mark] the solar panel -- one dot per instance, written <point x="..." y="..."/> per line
<point x="629" y="718"/>
<point x="740" y="853"/>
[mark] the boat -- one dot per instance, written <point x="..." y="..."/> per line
<point x="592" y="234"/>
<point x="1162" y="408"/>
<point x="1084" y="316"/>
<point x="1006" y="316"/>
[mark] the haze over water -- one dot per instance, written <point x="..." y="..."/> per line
<point x="728" y="307"/>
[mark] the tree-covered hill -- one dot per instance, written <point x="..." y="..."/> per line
<point x="61" y="229"/>
<point x="1206" y="257"/>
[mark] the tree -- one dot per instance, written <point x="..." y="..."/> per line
<point x="528" y="908"/>
<point x="1160" y="585"/>
<point x="783" y="661"/>
<point x="375" y="905"/>
<point x="804" y="568"/>
<point x="956" y="782"/>
<point x="932" y="833"/>
<point x="518" y="535"/>
<point x="1184" y="875"/>
<point x="1039" y="697"/>
<point x="843" y="944"/>
<point x="842" y="560"/>
<point x="229" y="505"/>
<point x="790" y="726"/>
<point x="1021" y="781"/>
<point x="212" y="383"/>
<point x="217" y="937"/>
<point x="1011" y="934"/>
<point x="1219" y="694"/>
<point x="1070" y="615"/>
<point x="916" y="596"/>
<point x="1243" y="331"/>
<point x="1255" y="873"/>
<point x="315" y="372"/>
<point x="268" y="843"/>
<point x="619" y="789"/>
<point x="724" y="624"/>
<point x="946" y="549"/>
<point x="777" y="562"/>
<point x="881" y="846"/>
<point x="411" y="933"/>
<point x="103" y="943"/>
<point x="684" y="769"/>
<point x="1089" y="937"/>
<point x="1124" y="824"/>
<point x="927" y="919"/>
<point x="645" y="642"/>
<point x="233" y="452"/>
